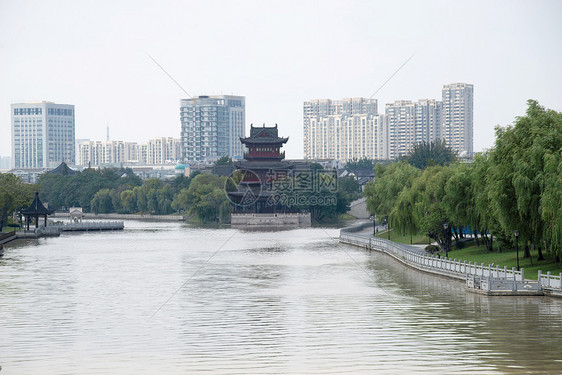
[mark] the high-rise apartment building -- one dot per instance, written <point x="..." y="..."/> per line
<point x="163" y="150"/>
<point x="43" y="135"/>
<point x="343" y="129"/>
<point x="350" y="128"/>
<point x="156" y="151"/>
<point x="458" y="121"/>
<point x="211" y="127"/>
<point x="410" y="123"/>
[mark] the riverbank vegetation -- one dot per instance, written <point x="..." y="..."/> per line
<point x="201" y="197"/>
<point x="515" y="188"/>
<point x="13" y="195"/>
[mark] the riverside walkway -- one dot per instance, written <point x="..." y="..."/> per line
<point x="491" y="280"/>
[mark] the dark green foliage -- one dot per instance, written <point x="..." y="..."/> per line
<point x="432" y="249"/>
<point x="224" y="160"/>
<point x="205" y="198"/>
<point x="350" y="188"/>
<point x="79" y="189"/>
<point x="424" y="154"/>
<point x="363" y="163"/>
<point x="13" y="195"/>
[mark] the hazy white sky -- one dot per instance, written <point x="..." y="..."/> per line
<point x="93" y="54"/>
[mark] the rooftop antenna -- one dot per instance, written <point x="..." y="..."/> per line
<point x="393" y="74"/>
<point x="172" y="78"/>
<point x="107" y="134"/>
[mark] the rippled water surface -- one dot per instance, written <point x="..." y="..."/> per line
<point x="166" y="298"/>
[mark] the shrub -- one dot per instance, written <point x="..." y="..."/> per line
<point x="432" y="249"/>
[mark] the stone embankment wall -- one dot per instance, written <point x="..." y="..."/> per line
<point x="270" y="220"/>
<point x="477" y="276"/>
<point x="88" y="216"/>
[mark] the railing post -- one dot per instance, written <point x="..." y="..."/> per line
<point x="522" y="274"/>
<point x="514" y="287"/>
<point x="547" y="279"/>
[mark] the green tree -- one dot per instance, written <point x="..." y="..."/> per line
<point x="419" y="206"/>
<point x="390" y="180"/>
<point x="102" y="203"/>
<point x="521" y="164"/>
<point x="205" y="199"/>
<point x="349" y="187"/>
<point x="363" y="163"/>
<point x="14" y="194"/>
<point x="224" y="160"/>
<point x="129" y="201"/>
<point x="425" y="154"/>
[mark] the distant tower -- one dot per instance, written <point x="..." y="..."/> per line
<point x="107" y="135"/>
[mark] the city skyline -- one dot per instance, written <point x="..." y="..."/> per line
<point x="504" y="48"/>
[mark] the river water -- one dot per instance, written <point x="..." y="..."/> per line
<point x="168" y="298"/>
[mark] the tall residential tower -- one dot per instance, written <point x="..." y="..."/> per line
<point x="458" y="121"/>
<point x="42" y="135"/>
<point x="410" y="123"/>
<point x="343" y="129"/>
<point x="211" y="127"/>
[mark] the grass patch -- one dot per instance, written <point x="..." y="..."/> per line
<point x="346" y="217"/>
<point x="417" y="239"/>
<point x="508" y="257"/>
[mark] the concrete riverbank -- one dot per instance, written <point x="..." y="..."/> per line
<point x="478" y="278"/>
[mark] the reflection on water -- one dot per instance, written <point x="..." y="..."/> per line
<point x="281" y="302"/>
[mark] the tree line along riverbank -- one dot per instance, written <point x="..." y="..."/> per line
<point x="511" y="195"/>
<point x="199" y="197"/>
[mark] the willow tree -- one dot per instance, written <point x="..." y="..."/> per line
<point x="551" y="203"/>
<point x="519" y="174"/>
<point x="390" y="180"/>
<point x="427" y="154"/>
<point x="419" y="206"/>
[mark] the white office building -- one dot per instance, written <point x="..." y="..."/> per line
<point x="211" y="127"/>
<point x="43" y="135"/>
<point x="458" y="120"/>
<point x="344" y="129"/>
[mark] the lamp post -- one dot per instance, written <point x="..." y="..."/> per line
<point x="446" y="227"/>
<point x="516" y="234"/>
<point x="388" y="227"/>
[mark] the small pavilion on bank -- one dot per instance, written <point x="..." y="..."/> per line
<point x="35" y="211"/>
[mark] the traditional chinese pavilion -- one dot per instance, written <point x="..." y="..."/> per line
<point x="263" y="167"/>
<point x="35" y="211"/>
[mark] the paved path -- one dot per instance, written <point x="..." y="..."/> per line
<point x="368" y="232"/>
